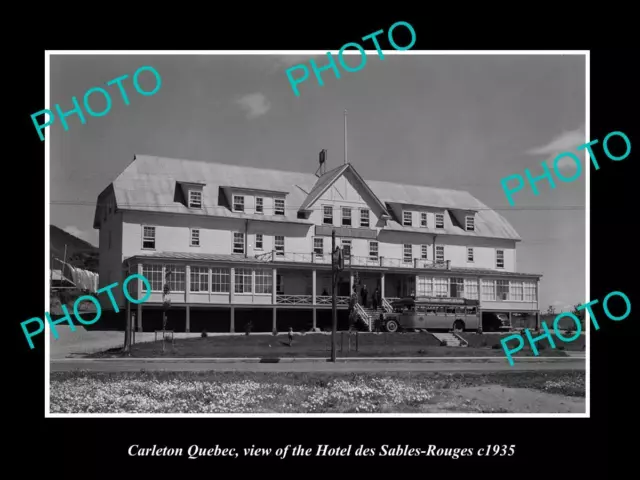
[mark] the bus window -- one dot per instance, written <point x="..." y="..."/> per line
<point x="460" y="311"/>
<point x="471" y="310"/>
<point x="421" y="308"/>
<point x="451" y="310"/>
<point x="440" y="310"/>
<point x="431" y="310"/>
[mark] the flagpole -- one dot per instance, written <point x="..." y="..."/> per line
<point x="345" y="136"/>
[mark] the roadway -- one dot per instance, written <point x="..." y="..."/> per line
<point x="301" y="365"/>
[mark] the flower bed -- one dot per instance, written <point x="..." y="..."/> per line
<point x="253" y="392"/>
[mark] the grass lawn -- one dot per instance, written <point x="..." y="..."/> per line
<point x="261" y="392"/>
<point x="319" y="345"/>
<point x="487" y="341"/>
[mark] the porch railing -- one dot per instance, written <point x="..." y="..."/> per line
<point x="351" y="260"/>
<point x="386" y="305"/>
<point x="308" y="300"/>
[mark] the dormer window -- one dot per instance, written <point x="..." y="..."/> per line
<point x="469" y="223"/>
<point x="195" y="199"/>
<point x="259" y="205"/>
<point x="238" y="203"/>
<point x="279" y="206"/>
<point x="406" y="219"/>
<point x="423" y="219"/>
<point x="439" y="220"/>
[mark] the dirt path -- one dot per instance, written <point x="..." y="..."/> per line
<point x="516" y="400"/>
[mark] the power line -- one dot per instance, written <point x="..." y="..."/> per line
<point x="296" y="207"/>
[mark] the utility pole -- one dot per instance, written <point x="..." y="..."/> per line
<point x="334" y="317"/>
<point x="345" y="136"/>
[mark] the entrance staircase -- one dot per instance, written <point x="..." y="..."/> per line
<point x="451" y="339"/>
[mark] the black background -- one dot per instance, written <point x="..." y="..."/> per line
<point x="547" y="448"/>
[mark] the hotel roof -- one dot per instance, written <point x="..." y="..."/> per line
<point x="149" y="184"/>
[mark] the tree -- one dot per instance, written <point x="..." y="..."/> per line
<point x="551" y="310"/>
<point x="579" y="314"/>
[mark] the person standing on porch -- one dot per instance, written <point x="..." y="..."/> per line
<point x="376" y="298"/>
<point x="364" y="294"/>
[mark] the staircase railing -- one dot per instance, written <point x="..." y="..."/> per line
<point x="387" y="306"/>
<point x="364" y="316"/>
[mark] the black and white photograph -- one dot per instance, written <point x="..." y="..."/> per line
<point x="253" y="233"/>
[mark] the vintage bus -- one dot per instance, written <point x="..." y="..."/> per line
<point x="432" y="313"/>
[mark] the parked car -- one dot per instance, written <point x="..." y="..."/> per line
<point x="495" y="322"/>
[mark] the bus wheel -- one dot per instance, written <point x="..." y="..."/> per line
<point x="391" y="326"/>
<point x="458" y="326"/>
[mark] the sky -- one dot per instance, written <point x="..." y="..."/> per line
<point x="450" y="121"/>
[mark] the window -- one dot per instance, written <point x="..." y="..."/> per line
<point x="364" y="217"/>
<point x="502" y="289"/>
<point x="259" y="205"/>
<point x="279" y="206"/>
<point x="406" y="219"/>
<point x="346" y="217"/>
<point x="177" y="277"/>
<point x="149" y="238"/>
<point x="199" y="281"/>
<point x="470" y="254"/>
<point x="346" y="249"/>
<point x="243" y="280"/>
<point x="441" y="287"/>
<point x="110" y="207"/>
<point x="279" y="245"/>
<point x="423" y="219"/>
<point x="279" y="285"/>
<point x="327" y="215"/>
<point x="457" y="287"/>
<point x="318" y="246"/>
<point x="439" y="220"/>
<point x="195" y="237"/>
<point x="517" y="291"/>
<point x="499" y="258"/>
<point x="424" y="250"/>
<point x="425" y="286"/>
<point x="220" y="280"/>
<point x="195" y="199"/>
<point x="153" y="273"/>
<point x="406" y="253"/>
<point x="471" y="288"/>
<point x="373" y="250"/>
<point x="259" y="242"/>
<point x="238" y="203"/>
<point x="488" y="290"/>
<point x="469" y="223"/>
<point x="238" y="242"/>
<point x="264" y="281"/>
<point x="530" y="291"/>
<point x="439" y="253"/>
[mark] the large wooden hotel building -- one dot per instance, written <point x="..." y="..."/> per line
<point x="246" y="243"/>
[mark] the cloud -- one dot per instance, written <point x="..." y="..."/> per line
<point x="255" y="104"/>
<point x="565" y="142"/>
<point x="291" y="60"/>
<point x="90" y="236"/>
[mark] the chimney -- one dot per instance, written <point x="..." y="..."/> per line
<point x="322" y="160"/>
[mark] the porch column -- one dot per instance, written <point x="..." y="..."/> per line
<point x="351" y="284"/>
<point x="187" y="283"/>
<point x="382" y="284"/>
<point x="314" y="317"/>
<point x="313" y="293"/>
<point x="140" y="296"/>
<point x="232" y="328"/>
<point x="232" y="284"/>
<point x="273" y="322"/>
<point x="187" y="327"/>
<point x="274" y="285"/>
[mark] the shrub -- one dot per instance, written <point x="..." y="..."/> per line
<point x="496" y="346"/>
<point x="274" y="332"/>
<point x="560" y="347"/>
<point x="204" y="334"/>
<point x="443" y="343"/>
